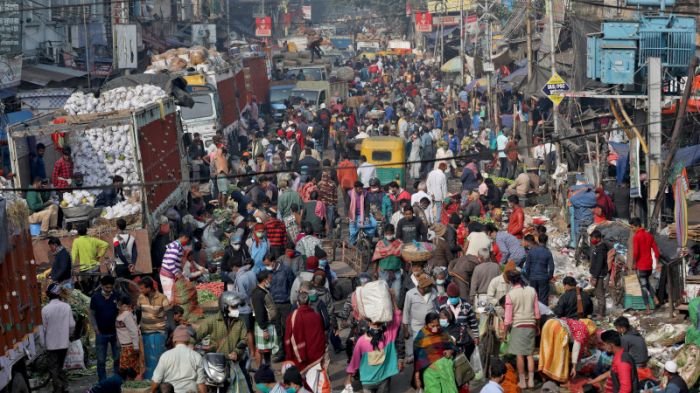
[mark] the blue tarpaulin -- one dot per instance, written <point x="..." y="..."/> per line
<point x="623" y="162"/>
<point x="687" y="156"/>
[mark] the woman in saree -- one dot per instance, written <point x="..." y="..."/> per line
<point x="556" y="355"/>
<point x="433" y="350"/>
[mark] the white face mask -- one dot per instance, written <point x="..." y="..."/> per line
<point x="390" y="237"/>
<point x="233" y="313"/>
<point x="236" y="246"/>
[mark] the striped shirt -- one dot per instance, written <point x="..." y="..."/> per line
<point x="276" y="232"/>
<point x="172" y="259"/>
<point x="153" y="312"/>
<point x="327" y="192"/>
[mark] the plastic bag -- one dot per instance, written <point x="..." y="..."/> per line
<point x="475" y="361"/>
<point x="75" y="358"/>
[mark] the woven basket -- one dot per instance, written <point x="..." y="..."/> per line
<point x="413" y="253"/>
<point x="77" y="211"/>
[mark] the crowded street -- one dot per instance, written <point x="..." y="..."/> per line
<point x="316" y="197"/>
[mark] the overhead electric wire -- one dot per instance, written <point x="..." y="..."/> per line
<point x="325" y="168"/>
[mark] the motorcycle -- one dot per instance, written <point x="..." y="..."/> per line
<point x="220" y="372"/>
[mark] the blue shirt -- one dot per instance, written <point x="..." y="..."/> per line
<point x="539" y="264"/>
<point x="281" y="286"/>
<point x="37" y="168"/>
<point x="105" y="312"/>
<point x="438" y="119"/>
<point x="245" y="283"/>
<point x="492" y="387"/>
<point x="510" y="247"/>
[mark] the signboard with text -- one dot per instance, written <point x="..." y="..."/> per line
<point x="125" y="46"/>
<point x="263" y="26"/>
<point x="424" y="22"/>
<point x="10" y="27"/>
<point x="555" y="88"/>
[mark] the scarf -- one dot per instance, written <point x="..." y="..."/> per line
<point x="353" y="206"/>
<point x="320" y="210"/>
<point x="301" y="338"/>
<point x="429" y="347"/>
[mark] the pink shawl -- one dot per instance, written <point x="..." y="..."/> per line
<point x="353" y="206"/>
<point x="320" y="210"/>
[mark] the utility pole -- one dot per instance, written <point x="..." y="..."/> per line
<point x="528" y="26"/>
<point x="653" y="161"/>
<point x="488" y="63"/>
<point x="461" y="39"/>
<point x="675" y="140"/>
<point x="555" y="110"/>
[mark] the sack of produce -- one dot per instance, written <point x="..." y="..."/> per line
<point x="198" y="56"/>
<point x="176" y="64"/>
<point x="345" y="74"/>
<point x="185" y="295"/>
<point x="373" y="301"/>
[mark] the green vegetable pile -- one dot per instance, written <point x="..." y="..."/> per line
<point x="205" y="297"/>
<point x="136" y="384"/>
<point x="78" y="302"/>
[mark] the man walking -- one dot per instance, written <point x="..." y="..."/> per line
<point x="57" y="319"/>
<point x="103" y="316"/>
<point x="539" y="266"/>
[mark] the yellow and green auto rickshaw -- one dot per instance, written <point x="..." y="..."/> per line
<point x="388" y="153"/>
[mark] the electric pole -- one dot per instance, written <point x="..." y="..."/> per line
<point x="528" y="26"/>
<point x="555" y="110"/>
<point x="461" y="39"/>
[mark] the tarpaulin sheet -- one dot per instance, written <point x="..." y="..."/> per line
<point x="687" y="156"/>
<point x="623" y="153"/>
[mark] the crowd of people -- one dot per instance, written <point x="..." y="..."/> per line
<point x="487" y="282"/>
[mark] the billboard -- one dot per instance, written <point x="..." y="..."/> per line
<point x="424" y="22"/>
<point x="263" y="26"/>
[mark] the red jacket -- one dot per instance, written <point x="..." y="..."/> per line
<point x="347" y="174"/>
<point x="516" y="222"/>
<point x="642" y="244"/>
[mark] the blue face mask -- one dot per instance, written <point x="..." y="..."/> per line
<point x="444" y="323"/>
<point x="263" y="388"/>
<point x="322" y="263"/>
<point x="291" y="390"/>
<point x="454" y="301"/>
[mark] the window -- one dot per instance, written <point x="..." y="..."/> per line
<point x="381" y="155"/>
<point x="322" y="98"/>
<point x="202" y="108"/>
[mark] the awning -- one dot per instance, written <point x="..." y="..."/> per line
<point x="43" y="74"/>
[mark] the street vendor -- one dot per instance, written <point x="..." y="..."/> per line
<point x="112" y="195"/>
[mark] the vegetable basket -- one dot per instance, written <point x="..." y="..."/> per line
<point x="78" y="211"/>
<point x="416" y="252"/>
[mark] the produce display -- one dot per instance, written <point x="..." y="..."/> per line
<point x="100" y="153"/>
<point x="215" y="288"/>
<point x="121" y="209"/>
<point x="204" y="297"/>
<point x="121" y="98"/>
<point x="77" y="198"/>
<point x="78" y="302"/>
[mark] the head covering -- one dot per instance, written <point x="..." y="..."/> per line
<point x="452" y="290"/>
<point x="292" y="375"/>
<point x="425" y="281"/>
<point x="54" y="289"/>
<point x="259" y="227"/>
<point x="440" y="229"/>
<point x="181" y="334"/>
<point x="671" y="367"/>
<point x="510" y="266"/>
<point x="312" y="263"/>
<point x="550" y="387"/>
<point x="265" y="375"/>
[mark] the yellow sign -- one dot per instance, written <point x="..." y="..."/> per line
<point x="436" y="7"/>
<point x="554" y="88"/>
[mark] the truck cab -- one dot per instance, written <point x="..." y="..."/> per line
<point x="279" y="93"/>
<point x="205" y="116"/>
<point x="311" y="73"/>
<point x="315" y="93"/>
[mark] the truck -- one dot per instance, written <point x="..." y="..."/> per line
<point x="215" y="102"/>
<point x="20" y="297"/>
<point x="318" y="92"/>
<point x="318" y="72"/>
<point x="159" y="156"/>
<point x="279" y="93"/>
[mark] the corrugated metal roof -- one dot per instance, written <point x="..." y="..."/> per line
<point x="43" y="74"/>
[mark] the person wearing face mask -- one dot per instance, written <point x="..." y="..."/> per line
<point x="463" y="316"/>
<point x="419" y="301"/>
<point x="325" y="265"/>
<point x="280" y="289"/>
<point x="171" y="268"/>
<point x="293" y="260"/>
<point x="598" y="256"/>
<point x="440" y="277"/>
<point x="234" y="254"/>
<point x="103" y="316"/>
<point x="433" y="352"/>
<point x="387" y="256"/>
<point x="322" y="301"/>
<point x="441" y="254"/>
<point x="226" y="330"/>
<point x="378" y="355"/>
<point x="259" y="247"/>
<point x="265" y="381"/>
<point x="293" y="381"/>
<point x="265" y="312"/>
<point x="305" y="341"/>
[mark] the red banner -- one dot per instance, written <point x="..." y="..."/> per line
<point x="424" y="22"/>
<point x="263" y="26"/>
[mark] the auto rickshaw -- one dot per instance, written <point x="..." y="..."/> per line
<point x="388" y="153"/>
